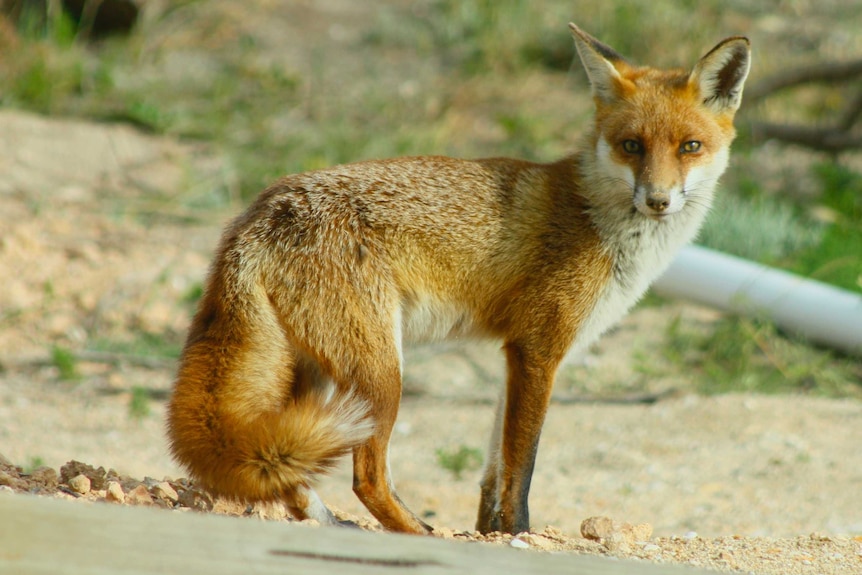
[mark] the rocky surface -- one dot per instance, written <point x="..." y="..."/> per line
<point x="815" y="553"/>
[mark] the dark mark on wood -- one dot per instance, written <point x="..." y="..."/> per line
<point x="409" y="563"/>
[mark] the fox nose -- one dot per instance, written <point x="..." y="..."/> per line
<point x="658" y="201"/>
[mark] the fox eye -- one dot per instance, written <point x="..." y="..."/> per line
<point x="690" y="147"/>
<point x="632" y="147"/>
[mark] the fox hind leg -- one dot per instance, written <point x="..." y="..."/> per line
<point x="372" y="481"/>
<point x="364" y="361"/>
<point x="303" y="503"/>
<point x="375" y="377"/>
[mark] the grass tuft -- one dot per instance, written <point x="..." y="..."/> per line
<point x="66" y="363"/>
<point x="761" y="229"/>
<point x="837" y="258"/>
<point x="459" y="460"/>
<point x="739" y="354"/>
<point x="139" y="403"/>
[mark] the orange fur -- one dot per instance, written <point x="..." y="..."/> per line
<point x="294" y="356"/>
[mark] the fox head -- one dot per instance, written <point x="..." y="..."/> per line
<point x="665" y="134"/>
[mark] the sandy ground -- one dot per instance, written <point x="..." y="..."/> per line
<point x="755" y="484"/>
<point x="96" y="251"/>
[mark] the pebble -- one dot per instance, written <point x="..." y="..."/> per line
<point x="139" y="496"/>
<point x="614" y="535"/>
<point x="80" y="484"/>
<point x="536" y="541"/>
<point x="164" y="490"/>
<point x="197" y="500"/>
<point x="75" y="468"/>
<point x="597" y="528"/>
<point x="45" y="477"/>
<point x="11" y="481"/>
<point x="114" y="492"/>
<point x="519" y="543"/>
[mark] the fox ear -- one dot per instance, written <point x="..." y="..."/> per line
<point x="598" y="60"/>
<point x="722" y="72"/>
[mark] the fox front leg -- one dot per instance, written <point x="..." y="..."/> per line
<point x="505" y="486"/>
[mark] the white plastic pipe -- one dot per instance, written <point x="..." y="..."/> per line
<point x="821" y="313"/>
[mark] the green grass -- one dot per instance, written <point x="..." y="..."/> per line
<point x="33" y="463"/>
<point x="459" y="460"/>
<point x="66" y="363"/>
<point x="193" y="295"/>
<point x="837" y="258"/>
<point x="783" y="233"/>
<point x="759" y="228"/>
<point x="139" y="403"/>
<point x="739" y="354"/>
<point x="145" y="344"/>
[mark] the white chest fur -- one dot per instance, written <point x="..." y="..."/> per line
<point x="639" y="256"/>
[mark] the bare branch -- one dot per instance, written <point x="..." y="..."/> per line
<point x="825" y="139"/>
<point x="828" y="73"/>
<point x="852" y="113"/>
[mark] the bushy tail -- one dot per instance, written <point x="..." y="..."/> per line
<point x="265" y="456"/>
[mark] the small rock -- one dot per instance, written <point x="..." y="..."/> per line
<point x="615" y="536"/>
<point x="150" y="482"/>
<point x="45" y="478"/>
<point x="164" y="490"/>
<point x="195" y="499"/>
<point x="552" y="532"/>
<point x="73" y="468"/>
<point x="519" y="543"/>
<point x="11" y="481"/>
<point x="6" y="489"/>
<point x="639" y="532"/>
<point x="617" y="542"/>
<point x="597" y="528"/>
<point x="114" y="493"/>
<point x="79" y="484"/>
<point x="537" y="541"/>
<point x="139" y="496"/>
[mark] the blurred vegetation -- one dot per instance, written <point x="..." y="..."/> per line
<point x="65" y="363"/>
<point x="34" y="462"/>
<point x="145" y="344"/>
<point x="459" y="460"/>
<point x="749" y="354"/>
<point x="467" y="78"/>
<point x="139" y="403"/>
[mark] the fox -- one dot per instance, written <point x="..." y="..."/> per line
<point x="294" y="357"/>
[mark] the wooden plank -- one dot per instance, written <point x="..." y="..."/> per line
<point x="48" y="536"/>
